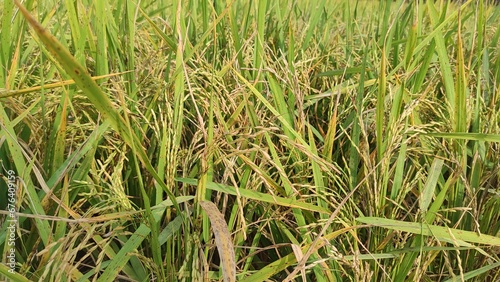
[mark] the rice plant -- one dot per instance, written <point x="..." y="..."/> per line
<point x="249" y="140"/>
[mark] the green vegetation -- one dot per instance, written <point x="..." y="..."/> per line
<point x="250" y="140"/>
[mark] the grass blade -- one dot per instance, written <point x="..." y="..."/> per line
<point x="257" y="196"/>
<point x="446" y="234"/>
<point x="430" y="185"/>
<point x="223" y="240"/>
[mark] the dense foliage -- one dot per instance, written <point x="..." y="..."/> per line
<point x="339" y="140"/>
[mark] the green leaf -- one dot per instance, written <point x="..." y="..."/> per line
<point x="467" y="136"/>
<point x="441" y="233"/>
<point x="257" y="196"/>
<point x="430" y="184"/>
<point x="15" y="277"/>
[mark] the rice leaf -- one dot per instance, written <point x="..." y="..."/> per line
<point x="257" y="196"/>
<point x="446" y="234"/>
<point x="223" y="240"/>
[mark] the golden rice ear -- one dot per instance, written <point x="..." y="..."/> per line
<point x="222" y="239"/>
